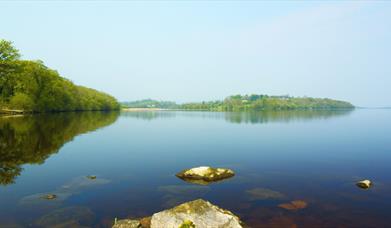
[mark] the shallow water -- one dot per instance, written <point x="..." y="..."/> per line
<point x="278" y="157"/>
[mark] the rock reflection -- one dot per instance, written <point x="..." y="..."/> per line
<point x="32" y="139"/>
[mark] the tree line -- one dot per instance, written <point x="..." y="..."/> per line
<point x="31" y="86"/>
<point x="253" y="102"/>
<point x="257" y="102"/>
<point x="149" y="103"/>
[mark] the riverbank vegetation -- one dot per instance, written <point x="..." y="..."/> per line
<point x="31" y="86"/>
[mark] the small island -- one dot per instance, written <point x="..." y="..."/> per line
<point x="30" y="86"/>
<point x="253" y="102"/>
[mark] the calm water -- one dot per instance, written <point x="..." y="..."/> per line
<point x="278" y="157"/>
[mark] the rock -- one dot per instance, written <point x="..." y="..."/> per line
<point x="263" y="194"/>
<point x="204" y="174"/>
<point x="294" y="205"/>
<point x="127" y="223"/>
<point x="133" y="223"/>
<point x="49" y="196"/>
<point x="197" y="213"/>
<point x="187" y="224"/>
<point x="364" y="184"/>
<point x="145" y="222"/>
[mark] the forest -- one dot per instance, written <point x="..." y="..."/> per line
<point x="33" y="87"/>
<point x="252" y="102"/>
<point x="256" y="102"/>
<point x="149" y="103"/>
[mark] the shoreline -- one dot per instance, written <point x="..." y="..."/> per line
<point x="142" y="109"/>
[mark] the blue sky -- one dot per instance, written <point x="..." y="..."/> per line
<point x="191" y="51"/>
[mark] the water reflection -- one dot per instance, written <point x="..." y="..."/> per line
<point x="243" y="117"/>
<point x="148" y="115"/>
<point x="282" y="116"/>
<point x="32" y="139"/>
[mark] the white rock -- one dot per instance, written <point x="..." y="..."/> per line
<point x="205" y="174"/>
<point x="200" y="212"/>
<point x="364" y="184"/>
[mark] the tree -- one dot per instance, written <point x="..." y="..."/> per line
<point x="32" y="86"/>
<point x="7" y="51"/>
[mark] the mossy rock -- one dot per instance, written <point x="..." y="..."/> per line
<point x="187" y="224"/>
<point x="204" y="174"/>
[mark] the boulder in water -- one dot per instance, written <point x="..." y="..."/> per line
<point x="198" y="213"/>
<point x="364" y="184"/>
<point x="205" y="174"/>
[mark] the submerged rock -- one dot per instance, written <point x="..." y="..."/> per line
<point x="127" y="223"/>
<point x="49" y="196"/>
<point x="294" y="205"/>
<point x="67" y="217"/>
<point x="198" y="213"/>
<point x="204" y="174"/>
<point x="80" y="183"/>
<point x="75" y="186"/>
<point x="263" y="194"/>
<point x="133" y="223"/>
<point x="38" y="200"/>
<point x="176" y="194"/>
<point x="364" y="184"/>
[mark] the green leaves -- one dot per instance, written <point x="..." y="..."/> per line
<point x="31" y="86"/>
<point x="8" y="52"/>
<point x="264" y="102"/>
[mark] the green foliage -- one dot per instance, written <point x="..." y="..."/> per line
<point x="256" y="102"/>
<point x="149" y="103"/>
<point x="31" y="86"/>
<point x="21" y="101"/>
<point x="7" y="51"/>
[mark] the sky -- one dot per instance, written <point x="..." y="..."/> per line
<point x="188" y="51"/>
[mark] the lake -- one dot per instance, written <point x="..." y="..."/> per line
<point x="278" y="157"/>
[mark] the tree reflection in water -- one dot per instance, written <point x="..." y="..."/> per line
<point x="32" y="139"/>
